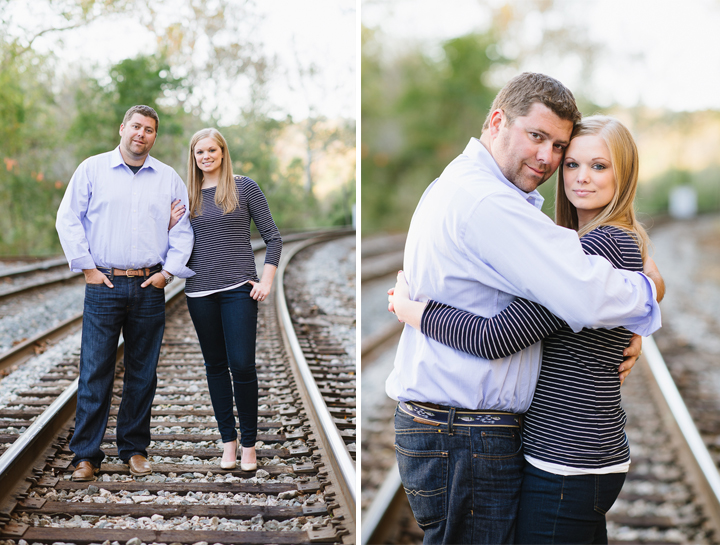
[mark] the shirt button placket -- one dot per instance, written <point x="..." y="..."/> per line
<point x="134" y="221"/>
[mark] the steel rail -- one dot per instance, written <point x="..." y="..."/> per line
<point x="42" y="266"/>
<point x="342" y="462"/>
<point x="693" y="450"/>
<point x="67" y="277"/>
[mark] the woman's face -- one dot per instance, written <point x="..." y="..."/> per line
<point x="589" y="176"/>
<point x="208" y="155"/>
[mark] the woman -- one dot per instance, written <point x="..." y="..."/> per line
<point x="573" y="433"/>
<point x="223" y="295"/>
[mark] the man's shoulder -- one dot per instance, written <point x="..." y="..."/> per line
<point x="471" y="176"/>
<point x="100" y="158"/>
<point x="467" y="189"/>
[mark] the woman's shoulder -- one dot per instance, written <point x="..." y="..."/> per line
<point x="246" y="184"/>
<point x="616" y="233"/>
<point x="241" y="179"/>
<point x="616" y="244"/>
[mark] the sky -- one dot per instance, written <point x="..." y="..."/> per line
<point x="320" y="32"/>
<point x="654" y="51"/>
<point x="662" y="53"/>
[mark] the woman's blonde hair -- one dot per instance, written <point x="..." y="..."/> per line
<point x="620" y="211"/>
<point x="226" y="195"/>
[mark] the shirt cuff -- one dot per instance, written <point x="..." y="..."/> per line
<point x="181" y="271"/>
<point x="80" y="263"/>
<point x="652" y="320"/>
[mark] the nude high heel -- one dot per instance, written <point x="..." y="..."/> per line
<point x="229" y="465"/>
<point x="247" y="467"/>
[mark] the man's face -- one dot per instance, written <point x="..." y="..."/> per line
<point x="137" y="137"/>
<point x="529" y="150"/>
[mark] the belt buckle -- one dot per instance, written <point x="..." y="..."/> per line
<point x="133" y="272"/>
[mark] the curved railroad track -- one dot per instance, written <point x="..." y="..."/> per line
<point x="671" y="493"/>
<point x="297" y="495"/>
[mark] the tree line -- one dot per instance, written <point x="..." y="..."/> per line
<point x="421" y="104"/>
<point x="52" y="119"/>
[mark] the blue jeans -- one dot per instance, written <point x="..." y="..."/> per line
<point x="140" y="314"/>
<point x="463" y="483"/>
<point x="226" y="325"/>
<point x="565" y="509"/>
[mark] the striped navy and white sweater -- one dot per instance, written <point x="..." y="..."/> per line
<point x="575" y="418"/>
<point x="222" y="255"/>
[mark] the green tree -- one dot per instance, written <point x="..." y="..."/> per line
<point x="28" y="176"/>
<point x="418" y="113"/>
<point x="100" y="109"/>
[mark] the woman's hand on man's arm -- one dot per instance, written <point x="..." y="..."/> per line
<point x="399" y="302"/>
<point x="651" y="270"/>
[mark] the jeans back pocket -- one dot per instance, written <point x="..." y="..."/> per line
<point x="424" y="475"/>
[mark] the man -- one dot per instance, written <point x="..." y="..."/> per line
<point x="476" y="241"/>
<point x="113" y="225"/>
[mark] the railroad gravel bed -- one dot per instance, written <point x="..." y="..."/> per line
<point x="31" y="278"/>
<point x="28" y="314"/>
<point x="187" y="493"/>
<point x="25" y="376"/>
<point x="688" y="256"/>
<point x="193" y="464"/>
<point x="322" y="277"/>
<point x="656" y="504"/>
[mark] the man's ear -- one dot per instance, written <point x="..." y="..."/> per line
<point x="496" y="122"/>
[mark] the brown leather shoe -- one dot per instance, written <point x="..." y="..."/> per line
<point x="139" y="465"/>
<point x="85" y="471"/>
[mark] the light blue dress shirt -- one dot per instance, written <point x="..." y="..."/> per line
<point x="476" y="242"/>
<point x="110" y="217"/>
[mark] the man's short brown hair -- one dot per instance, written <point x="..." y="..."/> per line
<point x="147" y="111"/>
<point x="521" y="92"/>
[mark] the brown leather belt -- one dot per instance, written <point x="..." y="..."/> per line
<point x="147" y="271"/>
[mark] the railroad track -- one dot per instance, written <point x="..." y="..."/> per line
<point x="44" y="276"/>
<point x="671" y="492"/>
<point x="298" y="495"/>
<point x="43" y="295"/>
<point x="326" y="332"/>
<point x="41" y="274"/>
<point x="382" y="257"/>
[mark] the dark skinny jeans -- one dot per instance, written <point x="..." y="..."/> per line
<point x="226" y="325"/>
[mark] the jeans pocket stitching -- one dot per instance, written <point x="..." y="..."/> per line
<point x="421" y="454"/>
<point x="429" y="505"/>
<point x="490" y="456"/>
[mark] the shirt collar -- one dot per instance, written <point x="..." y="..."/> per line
<point x="476" y="150"/>
<point x="116" y="159"/>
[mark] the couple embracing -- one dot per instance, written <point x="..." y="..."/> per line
<point x="123" y="223"/>
<point x="501" y="438"/>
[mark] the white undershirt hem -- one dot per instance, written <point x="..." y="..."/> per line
<point x="559" y="469"/>
<point x="210" y="292"/>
